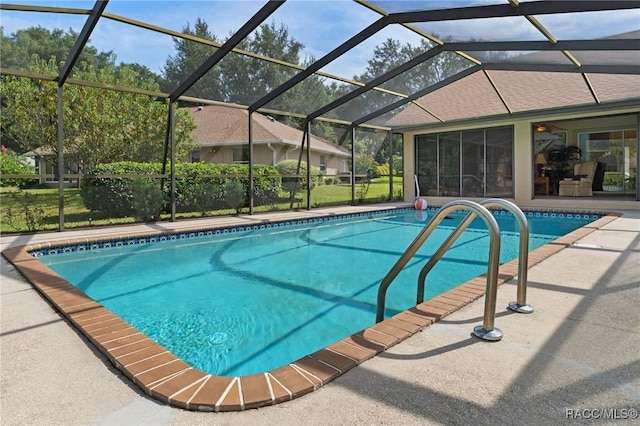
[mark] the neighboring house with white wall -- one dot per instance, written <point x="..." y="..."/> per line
<point x="223" y="136"/>
<point x="45" y="161"/>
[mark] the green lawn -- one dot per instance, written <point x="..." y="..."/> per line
<point x="41" y="205"/>
<point x="37" y="209"/>
<point x="376" y="191"/>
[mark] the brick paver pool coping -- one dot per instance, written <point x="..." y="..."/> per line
<point x="167" y="378"/>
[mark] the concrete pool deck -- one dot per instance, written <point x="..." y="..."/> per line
<point x="579" y="352"/>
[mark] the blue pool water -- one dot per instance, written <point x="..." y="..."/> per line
<point x="245" y="302"/>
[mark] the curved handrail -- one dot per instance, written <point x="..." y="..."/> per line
<point x="487" y="330"/>
<point x="521" y="303"/>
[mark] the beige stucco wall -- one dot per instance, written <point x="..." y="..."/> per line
<point x="523" y="153"/>
<point x="263" y="154"/>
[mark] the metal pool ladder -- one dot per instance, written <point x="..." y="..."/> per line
<point x="487" y="331"/>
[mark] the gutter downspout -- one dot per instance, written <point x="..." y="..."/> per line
<point x="273" y="161"/>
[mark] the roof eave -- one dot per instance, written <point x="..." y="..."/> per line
<point x="633" y="103"/>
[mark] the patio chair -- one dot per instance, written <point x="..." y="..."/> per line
<point x="580" y="185"/>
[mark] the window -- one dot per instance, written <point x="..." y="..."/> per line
<point x="50" y="168"/>
<point x="241" y="154"/>
<point x="323" y="164"/>
<point x="50" y="164"/>
<point x="470" y="163"/>
<point x="617" y="153"/>
<point x="195" y="156"/>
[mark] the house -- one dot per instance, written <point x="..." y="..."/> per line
<point x="223" y="136"/>
<point x="493" y="133"/>
<point x="45" y="161"/>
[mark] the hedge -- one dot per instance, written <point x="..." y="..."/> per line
<point x="294" y="179"/>
<point x="200" y="187"/>
<point x="114" y="195"/>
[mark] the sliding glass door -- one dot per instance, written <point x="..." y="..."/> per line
<point x="470" y="163"/>
<point x="617" y="150"/>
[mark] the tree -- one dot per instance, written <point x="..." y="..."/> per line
<point x="247" y="79"/>
<point x="28" y="109"/>
<point x="244" y="79"/>
<point x="303" y="98"/>
<point x="142" y="72"/>
<point x="392" y="54"/>
<point x="19" y="48"/>
<point x="190" y="55"/>
<point x="100" y="126"/>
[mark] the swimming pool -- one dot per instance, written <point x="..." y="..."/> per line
<point x="253" y="299"/>
<point x="167" y="378"/>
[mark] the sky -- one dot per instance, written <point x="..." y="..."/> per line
<point x="321" y="25"/>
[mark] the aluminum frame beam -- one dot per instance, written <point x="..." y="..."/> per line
<point x="317" y="65"/>
<point x="506" y="10"/>
<point x="576" y="45"/>
<point x="584" y="69"/>
<point x="232" y="42"/>
<point x="377" y="81"/>
<point x="525" y="9"/>
<point x="81" y="41"/>
<point x="462" y="74"/>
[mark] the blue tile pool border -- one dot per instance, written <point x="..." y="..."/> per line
<point x="149" y="238"/>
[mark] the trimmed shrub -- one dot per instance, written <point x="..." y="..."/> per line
<point x="200" y="187"/>
<point x="331" y="180"/>
<point x="267" y="184"/>
<point x="113" y="195"/>
<point x="290" y="182"/>
<point x="147" y="200"/>
<point x="235" y="195"/>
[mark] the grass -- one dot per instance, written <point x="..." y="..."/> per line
<point x="376" y="191"/>
<point x="37" y="209"/>
<point x="44" y="202"/>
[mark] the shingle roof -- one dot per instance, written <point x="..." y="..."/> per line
<point x="528" y="90"/>
<point x="218" y="125"/>
<point x="41" y="150"/>
<point x="521" y="91"/>
<point x="496" y="92"/>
